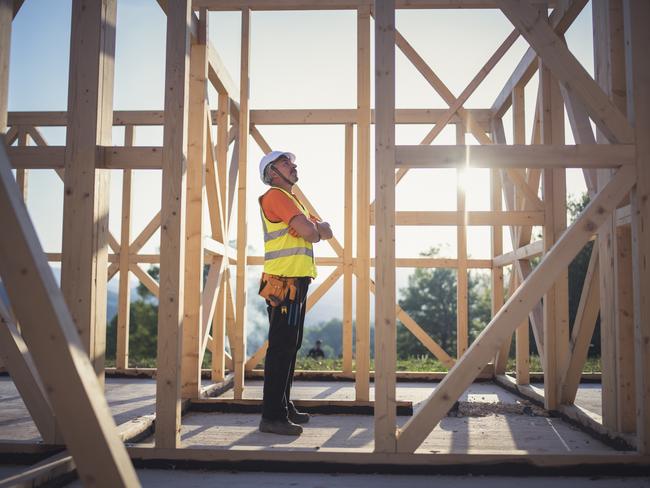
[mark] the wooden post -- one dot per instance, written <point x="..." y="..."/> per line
<point x="555" y="304"/>
<point x="172" y="227"/>
<point x="497" y="272"/>
<point x="637" y="39"/>
<point x="75" y="393"/>
<point x="196" y="155"/>
<point x="462" y="314"/>
<point x="219" y="319"/>
<point x="616" y="315"/>
<point x="239" y="346"/>
<point x="124" y="298"/>
<point x="6" y="18"/>
<point x="219" y="333"/>
<point x="86" y="195"/>
<point x="348" y="266"/>
<point x="21" y="173"/>
<point x="362" y="349"/>
<point x="223" y="122"/>
<point x="522" y="334"/>
<point x="385" y="327"/>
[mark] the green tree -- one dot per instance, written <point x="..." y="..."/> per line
<point x="143" y="327"/>
<point x="430" y="299"/>
<point x="578" y="272"/>
<point x="329" y="333"/>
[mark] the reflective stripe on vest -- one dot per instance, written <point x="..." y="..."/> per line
<point x="294" y="251"/>
<point x="284" y="254"/>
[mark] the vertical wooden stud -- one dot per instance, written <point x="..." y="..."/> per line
<point x="86" y="189"/>
<point x="223" y="121"/>
<point x="196" y="155"/>
<point x="347" y="249"/>
<point x="124" y="297"/>
<point x="522" y="334"/>
<point x="219" y="319"/>
<point x="239" y="346"/>
<point x="462" y="302"/>
<point x="219" y="333"/>
<point x="172" y="227"/>
<point x="6" y="18"/>
<point x="497" y="292"/>
<point x="615" y="286"/>
<point x="637" y="39"/>
<point x="362" y="347"/>
<point x="625" y="381"/>
<point x="21" y="173"/>
<point x="385" y="331"/>
<point x="555" y="304"/>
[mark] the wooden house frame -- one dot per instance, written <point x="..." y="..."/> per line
<point x="195" y="168"/>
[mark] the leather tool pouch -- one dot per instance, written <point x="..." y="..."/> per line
<point x="276" y="288"/>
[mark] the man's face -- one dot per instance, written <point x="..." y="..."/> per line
<point x="286" y="168"/>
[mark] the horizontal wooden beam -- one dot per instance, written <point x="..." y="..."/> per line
<point x="437" y="263"/>
<point x="349" y="116"/>
<point x="526" y="252"/>
<point x="419" y="262"/>
<point x="36" y="157"/>
<point x="493" y="156"/>
<point x="116" y="157"/>
<point x="450" y="218"/>
<point x="370" y="459"/>
<point x="258" y="117"/>
<point x="215" y="5"/>
<point x="119" y="157"/>
<point x="515" y="156"/>
<point x="217" y="248"/>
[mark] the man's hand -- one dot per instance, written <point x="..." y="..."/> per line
<point x="324" y="230"/>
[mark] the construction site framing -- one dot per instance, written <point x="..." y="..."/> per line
<point x="195" y="168"/>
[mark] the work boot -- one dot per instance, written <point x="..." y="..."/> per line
<point x="297" y="417"/>
<point x="282" y="427"/>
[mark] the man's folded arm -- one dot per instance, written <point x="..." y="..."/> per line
<point x="305" y="228"/>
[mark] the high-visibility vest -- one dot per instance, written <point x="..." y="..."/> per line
<point x="284" y="254"/>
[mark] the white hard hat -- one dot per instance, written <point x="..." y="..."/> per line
<point x="272" y="156"/>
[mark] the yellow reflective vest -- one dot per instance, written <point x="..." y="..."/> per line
<point x="285" y="255"/>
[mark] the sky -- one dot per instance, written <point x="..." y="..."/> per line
<point x="298" y="60"/>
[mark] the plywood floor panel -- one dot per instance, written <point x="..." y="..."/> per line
<point x="133" y="397"/>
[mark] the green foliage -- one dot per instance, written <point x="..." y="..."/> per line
<point x="426" y="363"/>
<point x="330" y="333"/>
<point x="430" y="299"/>
<point x="143" y="328"/>
<point x="578" y="271"/>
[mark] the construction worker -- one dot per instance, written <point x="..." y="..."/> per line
<point x="316" y="352"/>
<point x="289" y="232"/>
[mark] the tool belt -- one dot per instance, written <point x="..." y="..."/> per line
<point x="275" y="289"/>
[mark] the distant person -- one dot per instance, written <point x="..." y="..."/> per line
<point x="289" y="266"/>
<point x="316" y="352"/>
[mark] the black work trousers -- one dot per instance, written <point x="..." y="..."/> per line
<point x="285" y="338"/>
